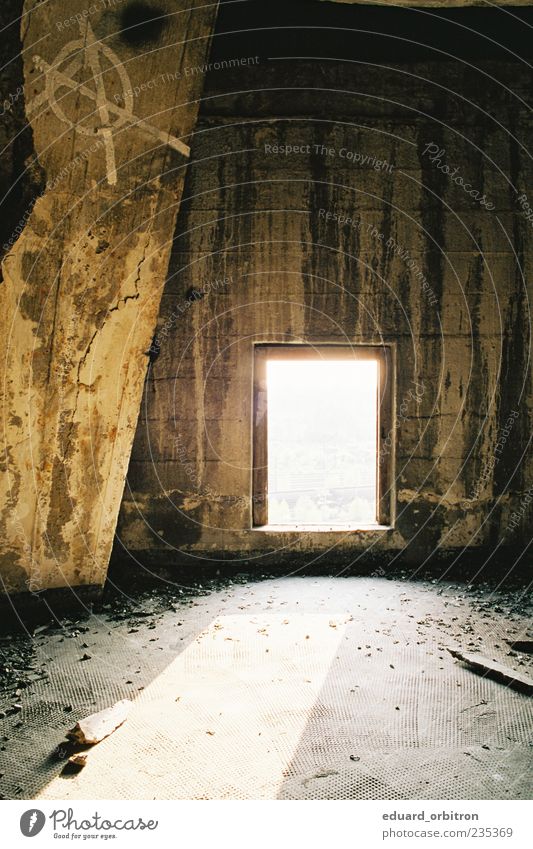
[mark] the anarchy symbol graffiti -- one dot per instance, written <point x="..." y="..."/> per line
<point x="98" y="65"/>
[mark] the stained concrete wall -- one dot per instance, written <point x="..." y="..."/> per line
<point x="253" y="234"/>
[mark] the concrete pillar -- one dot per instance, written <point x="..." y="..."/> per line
<point x="111" y="91"/>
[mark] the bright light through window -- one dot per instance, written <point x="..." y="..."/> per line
<point x="322" y="441"/>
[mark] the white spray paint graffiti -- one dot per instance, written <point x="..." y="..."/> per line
<point x="107" y="117"/>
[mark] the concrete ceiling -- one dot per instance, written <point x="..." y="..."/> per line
<point x="447" y="4"/>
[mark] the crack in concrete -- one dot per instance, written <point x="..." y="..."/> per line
<point x="136" y="281"/>
<point x="124" y="300"/>
<point x="83" y="360"/>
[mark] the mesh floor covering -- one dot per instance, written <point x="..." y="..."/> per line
<point x="290" y="688"/>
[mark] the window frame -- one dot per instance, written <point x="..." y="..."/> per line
<point x="384" y="423"/>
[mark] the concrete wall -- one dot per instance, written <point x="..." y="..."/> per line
<point x="253" y="233"/>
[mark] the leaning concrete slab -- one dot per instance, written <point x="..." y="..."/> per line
<point x="112" y="96"/>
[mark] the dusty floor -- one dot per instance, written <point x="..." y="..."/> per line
<point x="295" y="687"/>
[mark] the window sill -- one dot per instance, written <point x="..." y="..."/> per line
<point x="300" y="529"/>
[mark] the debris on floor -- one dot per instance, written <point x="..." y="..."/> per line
<point x="97" y="726"/>
<point x="495" y="670"/>
<point x="194" y="681"/>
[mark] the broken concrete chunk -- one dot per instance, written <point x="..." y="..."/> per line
<point x="95" y="727"/>
<point x="495" y="670"/>
<point x="79" y="760"/>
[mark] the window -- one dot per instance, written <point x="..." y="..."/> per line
<point x="320" y="414"/>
